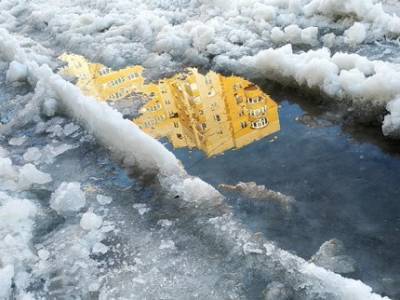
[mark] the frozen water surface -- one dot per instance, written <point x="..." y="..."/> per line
<point x="151" y="244"/>
<point x="92" y="208"/>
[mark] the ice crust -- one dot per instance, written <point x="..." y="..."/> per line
<point x="391" y="123"/>
<point x="369" y="86"/>
<point x="16" y="178"/>
<point x="91" y="221"/>
<point x="16" y="226"/>
<point x="233" y="27"/>
<point x="68" y="198"/>
<point x="236" y="35"/>
<point x="368" y="11"/>
<point x="16" y="72"/>
<point x="121" y="137"/>
<point x="32" y="154"/>
<point x="29" y="175"/>
<point x="227" y="33"/>
<point x="103" y="200"/>
<point x="332" y="256"/>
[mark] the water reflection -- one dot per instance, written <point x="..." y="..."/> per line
<point x="210" y="112"/>
<point x="100" y="81"/>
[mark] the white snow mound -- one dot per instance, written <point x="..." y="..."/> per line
<point x="91" y="221"/>
<point x="68" y="198"/>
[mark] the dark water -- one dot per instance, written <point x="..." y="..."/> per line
<point x="345" y="180"/>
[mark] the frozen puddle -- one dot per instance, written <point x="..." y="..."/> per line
<point x="91" y="207"/>
<point x="72" y="244"/>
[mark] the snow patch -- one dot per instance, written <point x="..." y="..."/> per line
<point x="29" y="175"/>
<point x="391" y="123"/>
<point x="164" y="223"/>
<point x="6" y="276"/>
<point x="17" y="141"/>
<point x="32" y="154"/>
<point x="68" y="198"/>
<point x="91" y="221"/>
<point x="167" y="244"/>
<point x="103" y="200"/>
<point x="16" y="226"/>
<point x="16" y="72"/>
<point x="356" y="34"/>
<point x="369" y="85"/>
<point x="141" y="208"/>
<point x="43" y="254"/>
<point x="99" y="248"/>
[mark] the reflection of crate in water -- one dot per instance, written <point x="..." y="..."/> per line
<point x="210" y="112"/>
